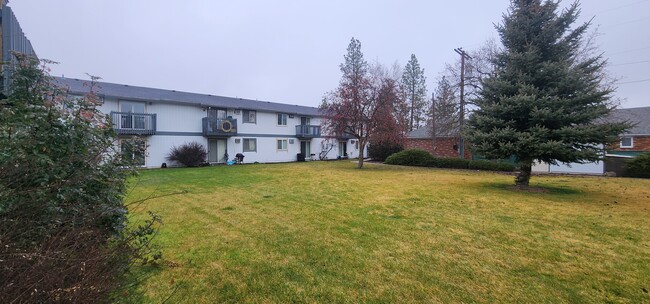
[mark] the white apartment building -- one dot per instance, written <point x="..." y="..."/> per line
<point x="262" y="131"/>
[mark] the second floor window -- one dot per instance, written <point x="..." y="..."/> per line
<point x="250" y="116"/>
<point x="282" y="119"/>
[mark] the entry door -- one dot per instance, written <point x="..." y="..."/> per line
<point x="305" y="121"/>
<point x="305" y="149"/>
<point x="213" y="118"/>
<point x="217" y="150"/>
<point x="217" y="113"/>
<point x="343" y="148"/>
<point x="221" y="151"/>
<point x="132" y="120"/>
<point x="212" y="151"/>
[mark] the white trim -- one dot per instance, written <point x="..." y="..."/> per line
<point x="286" y="146"/>
<point x="277" y="118"/>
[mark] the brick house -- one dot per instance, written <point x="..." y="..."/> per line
<point x="637" y="139"/>
<point x="445" y="146"/>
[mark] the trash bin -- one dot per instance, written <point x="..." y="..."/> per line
<point x="301" y="157"/>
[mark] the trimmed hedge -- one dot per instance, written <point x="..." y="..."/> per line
<point x="638" y="166"/>
<point x="421" y="158"/>
<point x="491" y="166"/>
<point x="412" y="157"/>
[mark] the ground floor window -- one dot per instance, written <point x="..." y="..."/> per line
<point x="282" y="145"/>
<point x="134" y="150"/>
<point x="627" y="142"/>
<point x="250" y="145"/>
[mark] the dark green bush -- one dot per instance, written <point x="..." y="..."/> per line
<point x="421" y="158"/>
<point x="638" y="166"/>
<point x="189" y="155"/>
<point x="454" y="163"/>
<point x="382" y="150"/>
<point x="411" y="157"/>
<point x="491" y="166"/>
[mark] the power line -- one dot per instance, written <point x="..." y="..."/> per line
<point x="631" y="50"/>
<point x="628" y="63"/>
<point x="634" y="81"/>
<point x="631" y="21"/>
<point x="622" y="6"/>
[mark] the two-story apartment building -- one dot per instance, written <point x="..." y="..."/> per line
<point x="263" y="131"/>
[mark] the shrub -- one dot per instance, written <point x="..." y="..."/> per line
<point x="382" y="150"/>
<point x="411" y="157"/>
<point x="421" y="158"/>
<point x="63" y="221"/>
<point x="189" y="155"/>
<point x="454" y="163"/>
<point x="638" y="166"/>
<point x="491" y="166"/>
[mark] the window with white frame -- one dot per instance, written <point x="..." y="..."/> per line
<point x="250" y="116"/>
<point x="250" y="145"/>
<point x="282" y="145"/>
<point x="282" y="119"/>
<point x="627" y="142"/>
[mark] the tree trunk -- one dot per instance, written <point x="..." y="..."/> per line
<point x="523" y="177"/>
<point x="361" y="148"/>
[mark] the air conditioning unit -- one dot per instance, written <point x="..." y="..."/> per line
<point x="237" y="111"/>
<point x="353" y="141"/>
<point x="237" y="140"/>
<point x="291" y="141"/>
<point x="290" y="115"/>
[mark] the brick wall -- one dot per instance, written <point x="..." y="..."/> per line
<point x="444" y="146"/>
<point x="640" y="143"/>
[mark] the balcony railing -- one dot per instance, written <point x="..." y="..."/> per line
<point x="127" y="123"/>
<point x="307" y="131"/>
<point x="219" y="126"/>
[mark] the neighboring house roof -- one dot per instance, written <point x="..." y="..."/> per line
<point x="640" y="117"/>
<point x="424" y="133"/>
<point x="129" y="92"/>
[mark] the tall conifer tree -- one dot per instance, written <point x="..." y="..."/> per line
<point x="415" y="90"/>
<point x="545" y="102"/>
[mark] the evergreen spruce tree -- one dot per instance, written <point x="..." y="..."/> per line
<point x="445" y="111"/>
<point x="546" y="102"/>
<point x="415" y="90"/>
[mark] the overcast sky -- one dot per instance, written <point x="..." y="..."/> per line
<point x="290" y="51"/>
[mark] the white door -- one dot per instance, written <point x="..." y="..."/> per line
<point x="221" y="151"/>
<point x="212" y="151"/>
<point x="217" y="150"/>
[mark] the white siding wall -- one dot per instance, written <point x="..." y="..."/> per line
<point x="158" y="146"/>
<point x="178" y="124"/>
<point x="588" y="168"/>
<point x="177" y="118"/>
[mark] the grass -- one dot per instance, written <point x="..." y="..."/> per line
<point x="327" y="232"/>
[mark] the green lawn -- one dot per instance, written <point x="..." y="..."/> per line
<point x="327" y="232"/>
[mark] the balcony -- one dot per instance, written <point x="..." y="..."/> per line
<point x="219" y="127"/>
<point x="127" y="123"/>
<point x="307" y="131"/>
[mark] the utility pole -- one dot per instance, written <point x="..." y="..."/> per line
<point x="461" y="144"/>
<point x="433" y="124"/>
